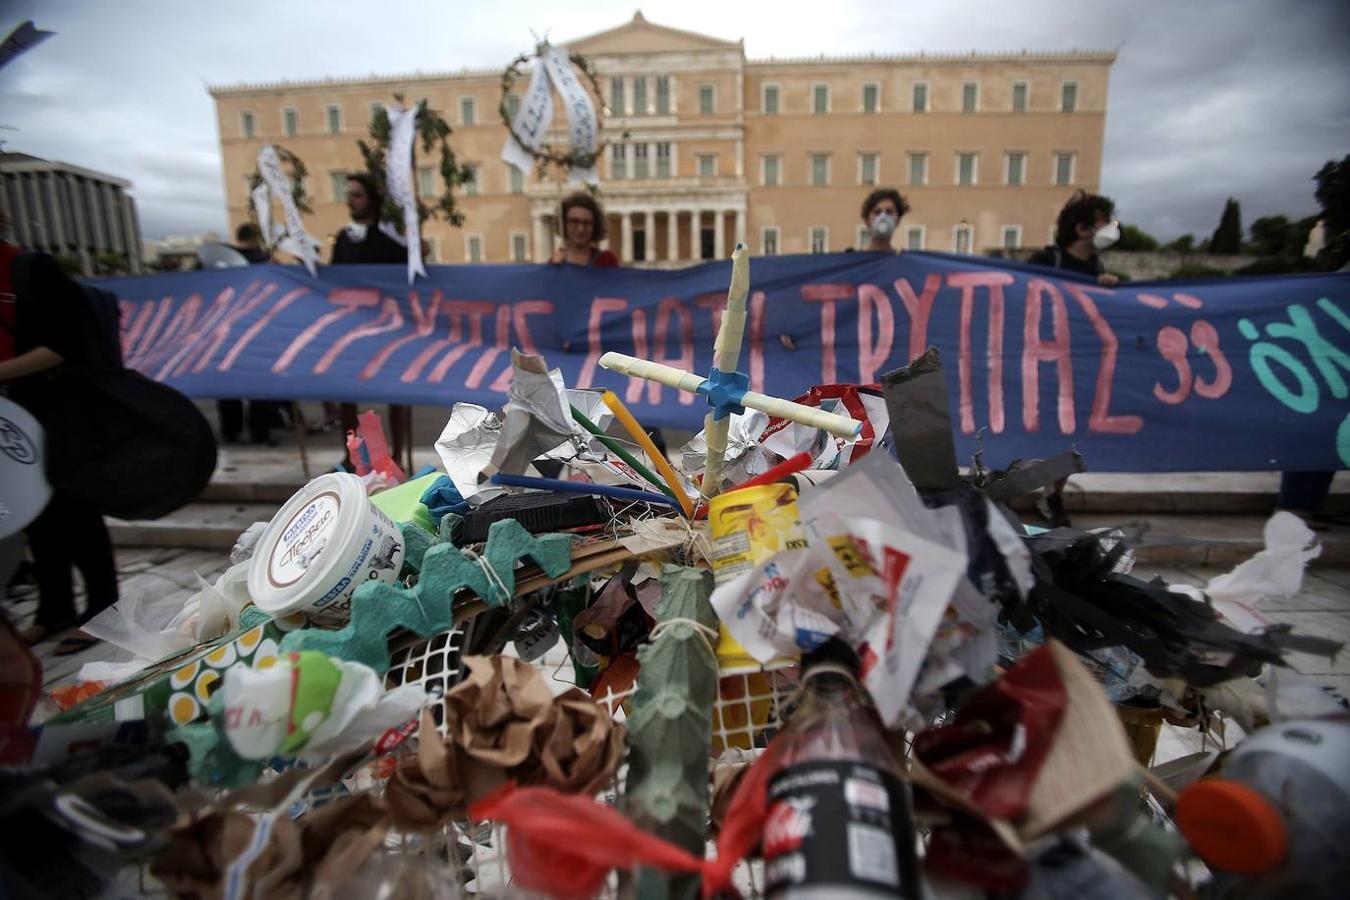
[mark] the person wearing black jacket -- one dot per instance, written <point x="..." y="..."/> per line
<point x="1084" y="228"/>
<point x="364" y="242"/>
<point x="47" y="335"/>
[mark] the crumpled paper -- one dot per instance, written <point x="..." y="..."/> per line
<point x="503" y="724"/>
<point x="232" y="854"/>
<point x="537" y="417"/>
<point x="863" y="403"/>
<point x="311" y="703"/>
<point x="466" y="445"/>
<point x="745" y="457"/>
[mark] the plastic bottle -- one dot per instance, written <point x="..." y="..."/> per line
<point x="1275" y="823"/>
<point x="839" y="823"/>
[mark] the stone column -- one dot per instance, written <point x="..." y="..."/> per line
<point x="541" y="242"/>
<point x="673" y="235"/>
<point x="627" y="220"/>
<point x="649" y="237"/>
<point x="740" y="226"/>
<point x="58" y="235"/>
<point x="695" y="245"/>
<point x="719" y="234"/>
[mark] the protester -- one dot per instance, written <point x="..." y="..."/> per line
<point x="881" y="213"/>
<point x="583" y="228"/>
<point x="363" y="241"/>
<point x="1085" y="227"/>
<point x="42" y="326"/>
<point x="262" y="415"/>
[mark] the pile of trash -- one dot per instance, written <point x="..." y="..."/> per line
<point x="812" y="655"/>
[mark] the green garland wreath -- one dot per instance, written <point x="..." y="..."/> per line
<point x="547" y="155"/>
<point x="433" y="130"/>
<point x="297" y="174"/>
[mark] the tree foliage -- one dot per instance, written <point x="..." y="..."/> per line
<point x="1183" y="244"/>
<point x="1228" y="236"/>
<point x="1134" y="238"/>
<point x="1333" y="195"/>
<point x="432" y="132"/>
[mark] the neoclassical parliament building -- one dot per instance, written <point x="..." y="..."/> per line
<point x="778" y="153"/>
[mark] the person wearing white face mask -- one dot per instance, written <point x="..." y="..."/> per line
<point x="1086" y="226"/>
<point x="881" y="213"/>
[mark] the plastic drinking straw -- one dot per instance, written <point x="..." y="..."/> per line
<point x="619" y="451"/>
<point x="657" y="457"/>
<point x="785" y="468"/>
<point x="581" y="487"/>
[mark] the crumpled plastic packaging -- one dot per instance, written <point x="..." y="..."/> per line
<point x="865" y="404"/>
<point x="151" y="627"/>
<point x="311" y="703"/>
<point x="1275" y="573"/>
<point x="466" y="445"/>
<point x="537" y="417"/>
<point x="247" y="542"/>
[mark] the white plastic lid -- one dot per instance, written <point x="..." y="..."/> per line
<point x="304" y="546"/>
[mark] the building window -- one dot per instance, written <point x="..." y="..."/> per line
<point x="616" y="98"/>
<point x="338" y="182"/>
<point x="468" y="111"/>
<point x="516" y="179"/>
<point x="290" y="122"/>
<point x="707" y="165"/>
<point x="1016" y="170"/>
<point x="520" y="250"/>
<point x="376" y="107"/>
<point x="663" y="159"/>
<point x="426" y="181"/>
<point x="966" y="165"/>
<point x="639" y="157"/>
<point x="920" y="102"/>
<point x="433" y="249"/>
<point x="473" y="248"/>
<point x="512" y="106"/>
<point x="918" y="169"/>
<point x="1068" y="96"/>
<point x="914" y="237"/>
<point x="1064" y="169"/>
<point x="770" y="172"/>
<point x="334" y="120"/>
<point x="247" y="123"/>
<point x="663" y="95"/>
<point x="820" y="168"/>
<point x="970" y="97"/>
<point x="868" y="163"/>
<point x="963" y="238"/>
<point x="1012" y="237"/>
<point x="618" y="160"/>
<point x="871" y="99"/>
<point x="473" y="180"/>
<point x="768" y="243"/>
<point x="707" y="100"/>
<point x="770" y="101"/>
<point x="820" y="239"/>
<point x="639" y="96"/>
<point x="820" y="99"/>
<point x="1019" y="96"/>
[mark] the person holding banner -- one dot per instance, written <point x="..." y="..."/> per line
<point x="262" y="415"/>
<point x="583" y="228"/>
<point x="881" y="213"/>
<point x="1086" y="226"/>
<point x="363" y="241"/>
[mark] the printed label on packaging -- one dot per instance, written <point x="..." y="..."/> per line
<point x="835" y="824"/>
<point x="303" y="538"/>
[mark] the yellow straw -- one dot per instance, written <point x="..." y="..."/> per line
<point x="658" y="458"/>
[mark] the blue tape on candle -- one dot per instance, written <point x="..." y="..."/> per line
<point x="579" y="487"/>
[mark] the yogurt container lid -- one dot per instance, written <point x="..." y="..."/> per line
<point x="304" y="542"/>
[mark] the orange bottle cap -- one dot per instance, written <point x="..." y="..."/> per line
<point x="1231" y="826"/>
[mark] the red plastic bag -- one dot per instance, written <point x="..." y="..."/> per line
<point x="993" y="750"/>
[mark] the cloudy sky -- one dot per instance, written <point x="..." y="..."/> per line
<point x="1209" y="98"/>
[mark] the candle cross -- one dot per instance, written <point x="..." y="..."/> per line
<point x="726" y="389"/>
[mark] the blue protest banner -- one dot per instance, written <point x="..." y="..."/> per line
<point x="1222" y="374"/>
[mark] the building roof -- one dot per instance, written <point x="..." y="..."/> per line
<point x="640" y="36"/>
<point x="23" y="162"/>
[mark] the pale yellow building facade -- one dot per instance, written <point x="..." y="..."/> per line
<point x="720" y="148"/>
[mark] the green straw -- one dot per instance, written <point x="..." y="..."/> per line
<point x="620" y="452"/>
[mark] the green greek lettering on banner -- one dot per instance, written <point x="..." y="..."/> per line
<point x="1343" y="441"/>
<point x="1261" y="355"/>
<point x="1326" y="356"/>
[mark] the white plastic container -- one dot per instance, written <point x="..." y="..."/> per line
<point x="324" y="542"/>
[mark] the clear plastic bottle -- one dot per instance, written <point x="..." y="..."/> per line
<point x="839" y="823"/>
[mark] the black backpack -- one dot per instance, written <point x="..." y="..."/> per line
<point x="127" y="446"/>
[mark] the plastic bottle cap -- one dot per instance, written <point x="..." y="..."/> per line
<point x="1231" y="826"/>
